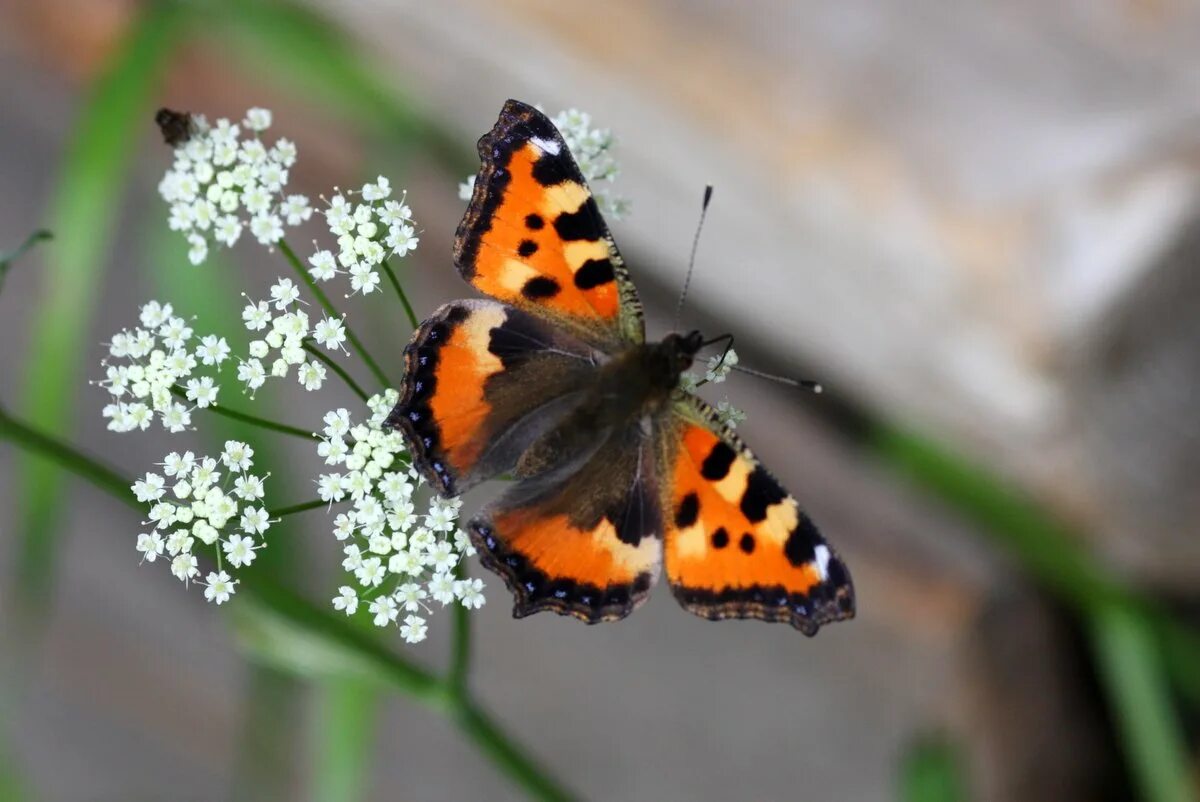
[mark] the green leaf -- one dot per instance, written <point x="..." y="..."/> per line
<point x="931" y="771"/>
<point x="7" y="259"/>
<point x="1134" y="679"/>
<point x="82" y="214"/>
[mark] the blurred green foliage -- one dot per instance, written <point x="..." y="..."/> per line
<point x="931" y="771"/>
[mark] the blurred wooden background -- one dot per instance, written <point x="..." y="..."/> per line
<point x="975" y="219"/>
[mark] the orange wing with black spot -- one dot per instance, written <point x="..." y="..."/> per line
<point x="737" y="545"/>
<point x="533" y="237"/>
<point x="482" y="382"/>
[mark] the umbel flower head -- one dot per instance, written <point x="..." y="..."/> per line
<point x="226" y="179"/>
<point x="201" y="504"/>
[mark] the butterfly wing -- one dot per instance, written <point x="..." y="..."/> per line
<point x="534" y="238"/>
<point x="737" y="545"/>
<point x="482" y="381"/>
<point x="582" y="539"/>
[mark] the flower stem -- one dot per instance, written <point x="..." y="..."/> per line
<point x="336" y="368"/>
<point x="504" y="752"/>
<point x="408" y="310"/>
<point x="295" y="508"/>
<point x="98" y="474"/>
<point x="253" y="420"/>
<point x="331" y="310"/>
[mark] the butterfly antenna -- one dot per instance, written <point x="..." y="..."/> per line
<point x="803" y="384"/>
<point x="687" y="280"/>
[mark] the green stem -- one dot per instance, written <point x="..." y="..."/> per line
<point x="283" y="610"/>
<point x="502" y="751"/>
<point x="332" y="311"/>
<point x="408" y="310"/>
<point x="295" y="508"/>
<point x="338" y="369"/>
<point x="253" y="420"/>
<point x="98" y="474"/>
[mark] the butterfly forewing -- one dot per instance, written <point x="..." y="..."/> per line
<point x="533" y="237"/>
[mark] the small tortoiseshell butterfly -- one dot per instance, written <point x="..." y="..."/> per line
<point x="618" y="469"/>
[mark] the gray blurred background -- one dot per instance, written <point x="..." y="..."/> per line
<point x="974" y="223"/>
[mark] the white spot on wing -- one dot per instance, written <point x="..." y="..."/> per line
<point x="545" y="145"/>
<point x="822" y="555"/>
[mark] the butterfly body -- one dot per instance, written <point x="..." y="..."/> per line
<point x="617" y="469"/>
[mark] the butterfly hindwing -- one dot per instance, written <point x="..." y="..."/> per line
<point x="737" y="545"/>
<point x="583" y="538"/>
<point x="482" y="382"/>
<point x="534" y="238"/>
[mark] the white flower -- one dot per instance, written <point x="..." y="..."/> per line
<point x="381" y="189"/>
<point x="252" y="373"/>
<point x="220" y="587"/>
<point x="202" y="392"/>
<point x="257" y="316"/>
<point x="466" y="188"/>
<point x="176" y="418"/>
<point x="266" y="228"/>
<point x="329" y="487"/>
<point x="470" y="593"/>
<point x="343" y="526"/>
<point x="337" y="423"/>
<point x="401" y="240"/>
<point x="441" y="587"/>
<point x="248" y="488"/>
<point x="409" y="596"/>
<point x="213" y="350"/>
<point x="718" y="368"/>
<point x="153" y="314"/>
<point x="311" y="375"/>
<point x="323" y="267"/>
<point x="239" y="550"/>
<point x="185" y="566"/>
<point x="175" y="464"/>
<point x="149" y="488"/>
<point x="414" y="629"/>
<point x="237" y="455"/>
<point x="257" y="119"/>
<point x="363" y="279"/>
<point x="284" y="293"/>
<point x="228" y="228"/>
<point x="346" y="600"/>
<point x="384" y="610"/>
<point x="197" y="248"/>
<point x="256" y="520"/>
<point x="150" y="544"/>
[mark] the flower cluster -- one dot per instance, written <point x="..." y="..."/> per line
<point x="216" y="503"/>
<point x="156" y="359"/>
<point x="718" y="369"/>
<point x="286" y="340"/>
<point x="592" y="149"/>
<point x="367" y="233"/>
<point x="402" y="559"/>
<point x="221" y="183"/>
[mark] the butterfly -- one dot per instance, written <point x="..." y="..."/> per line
<point x="618" y="471"/>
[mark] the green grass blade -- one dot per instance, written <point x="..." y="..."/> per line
<point x="931" y="771"/>
<point x="344" y="740"/>
<point x="105" y="138"/>
<point x="1131" y="670"/>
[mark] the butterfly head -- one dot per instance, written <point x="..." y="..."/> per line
<point x="679" y="350"/>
